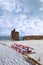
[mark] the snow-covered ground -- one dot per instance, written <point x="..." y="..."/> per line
<point x="9" y="56"/>
<point x="36" y="44"/>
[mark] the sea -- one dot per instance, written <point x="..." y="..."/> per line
<point x="8" y="38"/>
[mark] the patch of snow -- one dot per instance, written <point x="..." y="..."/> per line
<point x="36" y="44"/>
<point x="9" y="56"/>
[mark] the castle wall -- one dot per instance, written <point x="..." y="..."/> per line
<point x="32" y="37"/>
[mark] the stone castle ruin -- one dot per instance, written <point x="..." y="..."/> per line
<point x="14" y="35"/>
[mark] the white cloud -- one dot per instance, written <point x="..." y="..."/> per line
<point x="25" y="26"/>
<point x="32" y="26"/>
<point x="20" y="21"/>
<point x="41" y="0"/>
<point x="18" y="6"/>
<point x="41" y="8"/>
<point x="8" y="5"/>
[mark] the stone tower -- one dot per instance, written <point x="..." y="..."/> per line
<point x="14" y="35"/>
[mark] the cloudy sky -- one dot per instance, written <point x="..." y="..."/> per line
<point x="26" y="16"/>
